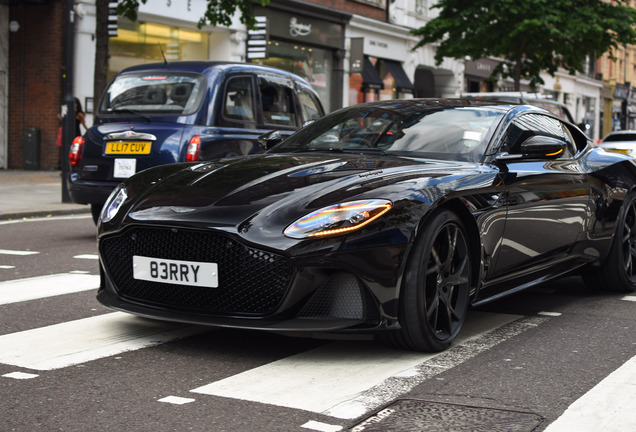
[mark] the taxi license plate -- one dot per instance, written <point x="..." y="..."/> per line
<point x="201" y="274"/>
<point x="128" y="147"/>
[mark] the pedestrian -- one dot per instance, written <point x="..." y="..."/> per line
<point x="80" y="118"/>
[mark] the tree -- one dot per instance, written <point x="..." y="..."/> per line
<point x="529" y="36"/>
<point x="218" y="12"/>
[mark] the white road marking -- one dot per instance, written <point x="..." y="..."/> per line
<point x="329" y="379"/>
<point x="87" y="256"/>
<point x="607" y="407"/>
<point x="550" y="314"/>
<point x="87" y="339"/>
<point x="18" y="290"/>
<point x="321" y="427"/>
<point x="20" y="375"/>
<point x="6" y="266"/>
<point x="176" y="400"/>
<point x="17" y="252"/>
<point x="629" y="298"/>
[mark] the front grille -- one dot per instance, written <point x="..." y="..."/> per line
<point x="251" y="281"/>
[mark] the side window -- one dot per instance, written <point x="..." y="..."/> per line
<point x="238" y="104"/>
<point x="309" y="107"/>
<point x="277" y="104"/>
<point x="537" y="124"/>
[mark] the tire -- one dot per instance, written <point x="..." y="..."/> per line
<point x="96" y="209"/>
<point x="436" y="286"/>
<point x="618" y="272"/>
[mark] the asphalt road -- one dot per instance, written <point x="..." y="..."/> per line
<point x="69" y="364"/>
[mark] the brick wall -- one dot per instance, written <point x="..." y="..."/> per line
<point x="36" y="60"/>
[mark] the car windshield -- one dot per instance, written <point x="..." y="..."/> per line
<point x="458" y="133"/>
<point x="154" y="93"/>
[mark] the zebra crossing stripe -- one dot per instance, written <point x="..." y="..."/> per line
<point x="336" y="373"/>
<point x="87" y="339"/>
<point x="609" y="406"/>
<point x="17" y="252"/>
<point x="18" y="290"/>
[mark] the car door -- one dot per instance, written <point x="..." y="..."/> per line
<point x="547" y="199"/>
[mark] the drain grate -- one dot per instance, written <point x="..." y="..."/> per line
<point x="411" y="415"/>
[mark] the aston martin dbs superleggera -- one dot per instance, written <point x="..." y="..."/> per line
<point x="391" y="217"/>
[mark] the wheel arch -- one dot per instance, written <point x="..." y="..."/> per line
<point x="458" y="206"/>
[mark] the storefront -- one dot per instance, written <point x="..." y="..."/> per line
<point x="308" y="41"/>
<point x="477" y="75"/>
<point x="378" y="52"/>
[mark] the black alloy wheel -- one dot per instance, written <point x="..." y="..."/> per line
<point x="435" y="292"/>
<point x="628" y="242"/>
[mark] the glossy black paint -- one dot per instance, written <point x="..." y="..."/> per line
<point x="92" y="180"/>
<point x="527" y="219"/>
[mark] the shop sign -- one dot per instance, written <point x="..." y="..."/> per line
<point x="482" y="68"/>
<point x="288" y="26"/>
<point x="621" y="91"/>
<point x="356" y="55"/>
<point x="297" y="28"/>
<point x="257" y="39"/>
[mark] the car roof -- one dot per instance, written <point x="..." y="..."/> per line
<point x="207" y="67"/>
<point x="406" y="106"/>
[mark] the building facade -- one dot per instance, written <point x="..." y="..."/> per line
<point x="351" y="51"/>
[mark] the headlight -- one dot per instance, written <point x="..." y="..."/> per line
<point x="338" y="219"/>
<point x="114" y="203"/>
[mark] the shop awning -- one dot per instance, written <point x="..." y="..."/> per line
<point x="402" y="82"/>
<point x="370" y="75"/>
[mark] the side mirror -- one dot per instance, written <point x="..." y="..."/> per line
<point x="270" y="139"/>
<point x="543" y="147"/>
<point x="537" y="147"/>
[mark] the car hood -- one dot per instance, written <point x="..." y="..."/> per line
<point x="271" y="191"/>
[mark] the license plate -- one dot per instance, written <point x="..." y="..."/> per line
<point x="201" y="274"/>
<point x="129" y="147"/>
<point x="124" y="168"/>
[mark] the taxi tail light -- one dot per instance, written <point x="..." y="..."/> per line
<point x="192" y="154"/>
<point x="75" y="151"/>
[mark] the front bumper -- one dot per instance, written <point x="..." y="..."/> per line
<point x="89" y="192"/>
<point x="258" y="289"/>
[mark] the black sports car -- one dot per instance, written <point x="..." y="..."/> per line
<point x="391" y="217"/>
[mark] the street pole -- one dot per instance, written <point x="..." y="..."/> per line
<point x="68" y="124"/>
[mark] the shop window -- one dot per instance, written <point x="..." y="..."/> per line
<point x="151" y="42"/>
<point x="380" y="80"/>
<point x="365" y="87"/>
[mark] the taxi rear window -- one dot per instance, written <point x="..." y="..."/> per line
<point x="163" y="93"/>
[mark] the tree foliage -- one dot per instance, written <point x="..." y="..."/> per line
<point x="529" y="36"/>
<point x="218" y="12"/>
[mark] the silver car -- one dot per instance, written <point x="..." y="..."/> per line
<point x="623" y="141"/>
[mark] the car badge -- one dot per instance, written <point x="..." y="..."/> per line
<point x="129" y="134"/>
<point x="182" y="209"/>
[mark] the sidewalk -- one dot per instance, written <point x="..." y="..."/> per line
<point x="33" y="194"/>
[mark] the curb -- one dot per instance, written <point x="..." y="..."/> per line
<point x="42" y="214"/>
